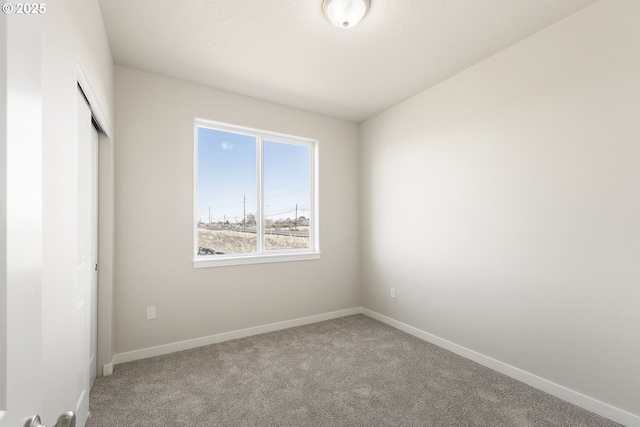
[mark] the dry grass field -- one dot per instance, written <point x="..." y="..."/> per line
<point x="213" y="242"/>
<point x="275" y="241"/>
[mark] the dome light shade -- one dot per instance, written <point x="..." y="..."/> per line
<point x="345" y="13"/>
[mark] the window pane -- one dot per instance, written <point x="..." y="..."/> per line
<point x="227" y="202"/>
<point x="287" y="196"/>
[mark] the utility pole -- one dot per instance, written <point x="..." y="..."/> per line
<point x="295" y="224"/>
<point x="244" y="213"/>
<point x="209" y="214"/>
<point x="224" y="221"/>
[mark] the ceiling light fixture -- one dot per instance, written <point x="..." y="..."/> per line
<point x="345" y="13"/>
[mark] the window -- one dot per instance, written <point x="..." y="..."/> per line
<point x="255" y="196"/>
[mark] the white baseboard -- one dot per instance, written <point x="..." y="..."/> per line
<point x="227" y="336"/>
<point x="590" y="404"/>
<point x="107" y="369"/>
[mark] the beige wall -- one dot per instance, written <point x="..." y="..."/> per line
<point x="72" y="32"/>
<point x="154" y="167"/>
<point x="503" y="205"/>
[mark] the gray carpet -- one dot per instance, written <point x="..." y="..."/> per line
<point x="352" y="371"/>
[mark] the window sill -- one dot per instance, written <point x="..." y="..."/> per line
<point x="224" y="261"/>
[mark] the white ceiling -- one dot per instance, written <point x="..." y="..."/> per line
<point x="285" y="51"/>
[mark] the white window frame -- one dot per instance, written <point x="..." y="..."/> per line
<point x="262" y="255"/>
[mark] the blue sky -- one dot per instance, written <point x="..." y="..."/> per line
<point x="227" y="172"/>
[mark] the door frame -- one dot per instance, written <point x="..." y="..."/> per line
<point x="105" y="226"/>
<point x="94" y="105"/>
<point x="22" y="218"/>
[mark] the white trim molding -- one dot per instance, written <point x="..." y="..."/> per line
<point x="228" y="336"/>
<point x="107" y="369"/>
<point x="590" y="404"/>
<point x="94" y="105"/>
<point x="254" y="259"/>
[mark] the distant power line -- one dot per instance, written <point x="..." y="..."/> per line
<point x="272" y="196"/>
<point x="270" y="214"/>
<point x="287" y="183"/>
<point x="286" y="211"/>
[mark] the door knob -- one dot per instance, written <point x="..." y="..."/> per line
<point x="68" y="419"/>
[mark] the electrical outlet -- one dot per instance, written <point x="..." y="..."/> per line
<point x="151" y="313"/>
<point x="393" y="292"/>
